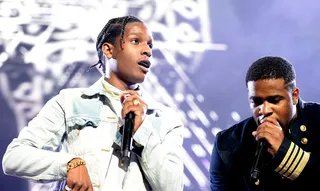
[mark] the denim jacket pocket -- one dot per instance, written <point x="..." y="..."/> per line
<point x="84" y="132"/>
<point x="79" y="122"/>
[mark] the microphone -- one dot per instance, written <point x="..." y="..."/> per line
<point x="260" y="153"/>
<point x="259" y="161"/>
<point x="127" y="133"/>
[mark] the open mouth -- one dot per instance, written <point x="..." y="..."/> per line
<point x="145" y="63"/>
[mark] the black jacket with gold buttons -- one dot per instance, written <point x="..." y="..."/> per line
<point x="296" y="166"/>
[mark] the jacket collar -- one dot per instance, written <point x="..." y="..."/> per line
<point x="296" y="123"/>
<point x="97" y="88"/>
<point x="301" y="116"/>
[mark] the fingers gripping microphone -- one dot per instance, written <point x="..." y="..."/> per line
<point x="260" y="154"/>
<point x="127" y="133"/>
<point x="256" y="169"/>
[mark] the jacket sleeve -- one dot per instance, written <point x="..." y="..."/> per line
<point x="218" y="172"/>
<point x="161" y="138"/>
<point x="32" y="154"/>
<point x="294" y="163"/>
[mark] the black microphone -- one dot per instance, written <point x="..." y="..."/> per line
<point x="260" y="154"/>
<point x="127" y="132"/>
<point x="259" y="161"/>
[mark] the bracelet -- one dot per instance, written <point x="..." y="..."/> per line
<point x="72" y="165"/>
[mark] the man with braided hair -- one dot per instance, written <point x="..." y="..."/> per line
<point x="288" y="127"/>
<point x="75" y="139"/>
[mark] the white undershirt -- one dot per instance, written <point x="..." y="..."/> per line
<point x="115" y="175"/>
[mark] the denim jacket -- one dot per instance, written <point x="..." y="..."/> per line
<point x="80" y="122"/>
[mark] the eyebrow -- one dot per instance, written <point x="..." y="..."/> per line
<point x="269" y="97"/>
<point x="139" y="34"/>
<point x="134" y="33"/>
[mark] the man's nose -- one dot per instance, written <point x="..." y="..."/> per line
<point x="266" y="109"/>
<point x="146" y="50"/>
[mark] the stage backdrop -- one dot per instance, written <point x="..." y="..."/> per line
<point x="202" y="50"/>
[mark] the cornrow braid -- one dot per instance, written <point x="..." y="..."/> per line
<point x="115" y="27"/>
<point x="124" y="23"/>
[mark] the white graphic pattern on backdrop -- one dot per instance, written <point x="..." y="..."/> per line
<point x="53" y="43"/>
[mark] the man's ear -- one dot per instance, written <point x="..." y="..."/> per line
<point x="295" y="96"/>
<point x="107" y="49"/>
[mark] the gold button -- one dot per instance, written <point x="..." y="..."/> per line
<point x="303" y="128"/>
<point x="304" y="140"/>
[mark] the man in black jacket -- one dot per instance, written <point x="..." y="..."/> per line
<point x="287" y="125"/>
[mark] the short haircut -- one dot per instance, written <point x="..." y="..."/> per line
<point x="114" y="28"/>
<point x="272" y="67"/>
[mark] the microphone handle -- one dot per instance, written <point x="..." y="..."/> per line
<point x="259" y="161"/>
<point x="127" y="132"/>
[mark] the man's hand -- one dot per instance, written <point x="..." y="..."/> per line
<point x="78" y="178"/>
<point x="135" y="104"/>
<point x="271" y="131"/>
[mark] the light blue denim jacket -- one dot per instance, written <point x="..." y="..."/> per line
<point x="80" y="123"/>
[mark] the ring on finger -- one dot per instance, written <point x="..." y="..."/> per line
<point x="136" y="102"/>
<point x="67" y="188"/>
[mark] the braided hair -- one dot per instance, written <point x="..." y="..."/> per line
<point x="114" y="28"/>
<point x="272" y="67"/>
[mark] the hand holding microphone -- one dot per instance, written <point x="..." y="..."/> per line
<point x="133" y="112"/>
<point x="269" y="135"/>
<point x="132" y="102"/>
<point x="259" y="159"/>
